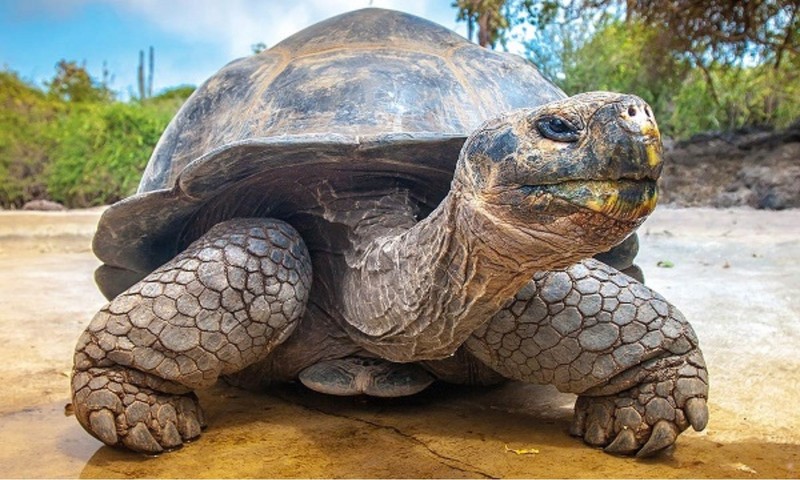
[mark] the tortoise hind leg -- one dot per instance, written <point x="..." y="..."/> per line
<point x="366" y="376"/>
<point x="631" y="357"/>
<point x="359" y="375"/>
<point x="222" y="304"/>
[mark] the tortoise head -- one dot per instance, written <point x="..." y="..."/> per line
<point x="582" y="169"/>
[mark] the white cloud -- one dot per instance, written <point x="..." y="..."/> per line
<point x="238" y="24"/>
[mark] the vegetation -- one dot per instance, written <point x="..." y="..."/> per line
<point x="74" y="143"/>
<point x="100" y="150"/>
<point x="703" y="65"/>
<point x="25" y="114"/>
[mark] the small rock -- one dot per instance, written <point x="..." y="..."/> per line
<point x="775" y="189"/>
<point x="737" y="198"/>
<point x="44" y="205"/>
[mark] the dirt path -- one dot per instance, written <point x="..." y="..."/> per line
<point x="735" y="276"/>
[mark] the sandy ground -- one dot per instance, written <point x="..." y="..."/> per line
<point x="735" y="276"/>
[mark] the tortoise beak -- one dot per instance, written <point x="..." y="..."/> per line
<point x="624" y="200"/>
<point x="636" y="117"/>
<point x="631" y="192"/>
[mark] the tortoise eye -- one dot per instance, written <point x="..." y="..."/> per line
<point x="558" y="129"/>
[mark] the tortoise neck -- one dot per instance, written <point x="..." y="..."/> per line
<point x="420" y="293"/>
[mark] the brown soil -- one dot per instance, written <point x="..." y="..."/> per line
<point x="735" y="277"/>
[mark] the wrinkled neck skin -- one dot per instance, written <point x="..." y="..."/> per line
<point x="418" y="293"/>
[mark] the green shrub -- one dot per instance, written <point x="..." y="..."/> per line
<point x="25" y="115"/>
<point x="629" y="58"/>
<point x="742" y="96"/>
<point x="101" y="150"/>
<point x="176" y="94"/>
<point x="74" y="143"/>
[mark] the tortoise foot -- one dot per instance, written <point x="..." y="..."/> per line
<point x="366" y="376"/>
<point x="647" y="418"/>
<point x="120" y="413"/>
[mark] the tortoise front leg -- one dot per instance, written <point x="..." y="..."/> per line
<point x="630" y="355"/>
<point x="221" y="305"/>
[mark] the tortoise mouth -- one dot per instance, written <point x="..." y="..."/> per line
<point x="624" y="199"/>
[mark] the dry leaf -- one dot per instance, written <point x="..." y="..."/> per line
<point x="744" y="468"/>
<point x="522" y="451"/>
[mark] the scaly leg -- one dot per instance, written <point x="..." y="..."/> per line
<point x="630" y="355"/>
<point x="222" y="304"/>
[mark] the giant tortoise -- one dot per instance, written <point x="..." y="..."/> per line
<point x="375" y="204"/>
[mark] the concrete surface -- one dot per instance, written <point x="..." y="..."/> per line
<point x="735" y="276"/>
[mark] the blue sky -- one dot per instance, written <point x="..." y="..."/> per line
<point x="192" y="38"/>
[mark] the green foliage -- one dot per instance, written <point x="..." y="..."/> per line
<point x="178" y="94"/>
<point x="708" y="31"/>
<point x="101" y="151"/>
<point x="257" y="48"/>
<point x="742" y="96"/>
<point x="624" y="58"/>
<point x="705" y="65"/>
<point x="75" y="144"/>
<point x="73" y="83"/>
<point x="687" y="98"/>
<point x="25" y="113"/>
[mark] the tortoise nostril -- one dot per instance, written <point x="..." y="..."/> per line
<point x="636" y="116"/>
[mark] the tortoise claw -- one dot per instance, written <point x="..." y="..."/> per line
<point x="624" y="444"/>
<point x="663" y="435"/>
<point x="140" y="439"/>
<point x="598" y="426"/>
<point x="696" y="411"/>
<point x="170" y="437"/>
<point x="596" y="434"/>
<point x="103" y="425"/>
<point x="190" y="420"/>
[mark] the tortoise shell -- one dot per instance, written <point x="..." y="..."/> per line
<point x="354" y="102"/>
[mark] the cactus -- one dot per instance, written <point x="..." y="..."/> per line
<point x="146" y="88"/>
